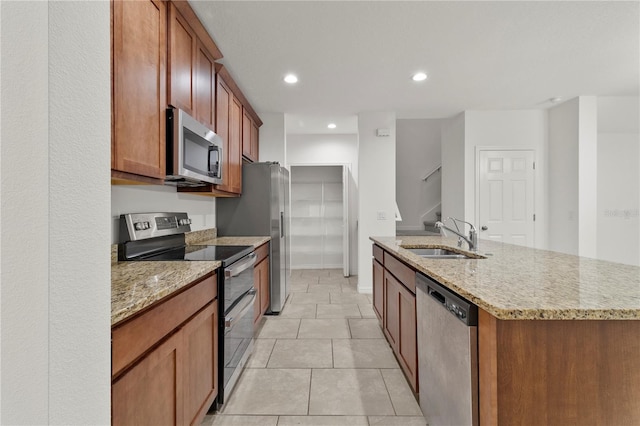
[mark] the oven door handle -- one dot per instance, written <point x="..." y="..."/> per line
<point x="240" y="309"/>
<point x="238" y="267"/>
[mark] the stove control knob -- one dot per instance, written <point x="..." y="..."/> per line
<point x="138" y="226"/>
<point x="147" y="225"/>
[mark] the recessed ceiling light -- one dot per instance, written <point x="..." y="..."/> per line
<point x="555" y="100"/>
<point x="419" y="76"/>
<point x="332" y="125"/>
<point x="291" y="78"/>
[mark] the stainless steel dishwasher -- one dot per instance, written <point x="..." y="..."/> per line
<point x="447" y="355"/>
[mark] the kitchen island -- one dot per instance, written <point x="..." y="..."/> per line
<point x="558" y="335"/>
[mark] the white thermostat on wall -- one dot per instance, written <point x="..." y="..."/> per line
<point x="382" y="132"/>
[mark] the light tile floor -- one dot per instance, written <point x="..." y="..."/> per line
<point x="322" y="361"/>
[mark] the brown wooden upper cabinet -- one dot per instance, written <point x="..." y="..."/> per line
<point x="138" y="103"/>
<point x="192" y="81"/>
<point x="250" y="135"/>
<point x="162" y="55"/>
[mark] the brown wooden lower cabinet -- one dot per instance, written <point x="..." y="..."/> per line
<point x="201" y="363"/>
<point x="146" y="394"/>
<point x="570" y="372"/>
<point x="261" y="282"/>
<point x="175" y="380"/>
<point x="394" y="303"/>
<point x="378" y="293"/>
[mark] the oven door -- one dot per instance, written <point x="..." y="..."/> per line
<point x="238" y="341"/>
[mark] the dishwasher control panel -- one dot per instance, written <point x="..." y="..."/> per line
<point x="458" y="306"/>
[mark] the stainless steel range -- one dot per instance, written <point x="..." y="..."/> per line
<point x="160" y="237"/>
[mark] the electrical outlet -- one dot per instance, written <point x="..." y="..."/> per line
<point x="382" y="216"/>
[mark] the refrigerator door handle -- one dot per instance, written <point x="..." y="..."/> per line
<point x="281" y="224"/>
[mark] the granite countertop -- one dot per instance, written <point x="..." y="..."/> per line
<point x="137" y="285"/>
<point x="515" y="282"/>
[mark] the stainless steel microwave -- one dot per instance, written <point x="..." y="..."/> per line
<point x="194" y="152"/>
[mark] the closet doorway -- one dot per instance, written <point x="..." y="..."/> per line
<point x="320" y="217"/>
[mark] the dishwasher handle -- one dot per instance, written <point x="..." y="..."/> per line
<point x="433" y="293"/>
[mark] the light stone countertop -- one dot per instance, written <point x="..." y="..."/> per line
<point x="516" y="282"/>
<point x="137" y="285"/>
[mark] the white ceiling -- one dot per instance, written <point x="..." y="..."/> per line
<point x="358" y="56"/>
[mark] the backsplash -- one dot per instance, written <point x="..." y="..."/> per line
<point x="156" y="198"/>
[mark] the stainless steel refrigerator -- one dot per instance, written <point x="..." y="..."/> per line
<point x="262" y="209"/>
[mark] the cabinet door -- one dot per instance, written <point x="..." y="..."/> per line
<point x="391" y="309"/>
<point x="261" y="283"/>
<point x="255" y="135"/>
<point x="139" y="87"/>
<point x="246" y="135"/>
<point x="407" y="342"/>
<point x="147" y="394"/>
<point x="378" y="293"/>
<point x="235" y="146"/>
<point x="182" y="62"/>
<point x="264" y="286"/>
<point x="223" y="99"/>
<point x="201" y="363"/>
<point x="205" y="86"/>
<point x="229" y="128"/>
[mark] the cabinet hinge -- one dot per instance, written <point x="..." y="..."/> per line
<point x="534" y="165"/>
<point x="534" y="217"/>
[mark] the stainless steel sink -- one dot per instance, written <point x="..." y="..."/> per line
<point x="437" y="253"/>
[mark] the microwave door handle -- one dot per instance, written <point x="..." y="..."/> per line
<point x="215" y="161"/>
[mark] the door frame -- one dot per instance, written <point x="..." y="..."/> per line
<point x="477" y="182"/>
<point x="346" y="209"/>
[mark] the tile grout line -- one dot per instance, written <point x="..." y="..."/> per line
<point x="388" y="393"/>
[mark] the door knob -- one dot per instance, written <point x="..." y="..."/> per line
<point x="484" y="228"/>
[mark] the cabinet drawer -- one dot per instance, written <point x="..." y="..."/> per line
<point x="378" y="254"/>
<point x="262" y="252"/>
<point x="402" y="272"/>
<point x="133" y="338"/>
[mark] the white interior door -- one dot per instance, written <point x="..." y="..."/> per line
<point x="506" y="196"/>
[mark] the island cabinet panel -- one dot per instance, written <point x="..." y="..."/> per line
<point x="391" y="317"/>
<point x="378" y="292"/>
<point x="139" y="39"/>
<point x="407" y="343"/>
<point x="564" y="372"/>
<point x="394" y="302"/>
<point x="405" y="274"/>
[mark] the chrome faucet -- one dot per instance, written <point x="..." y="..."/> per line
<point x="472" y="240"/>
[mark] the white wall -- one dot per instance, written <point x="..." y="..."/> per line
<point x="453" y="167"/>
<point x="273" y="138"/>
<point x="158" y="198"/>
<point x="563" y="177"/>
<point x="55" y="301"/>
<point x="572" y="180"/>
<point x="588" y="176"/>
<point x="618" y="179"/>
<point x="522" y="129"/>
<point x="418" y="152"/>
<point x="331" y="149"/>
<point x="377" y="187"/>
